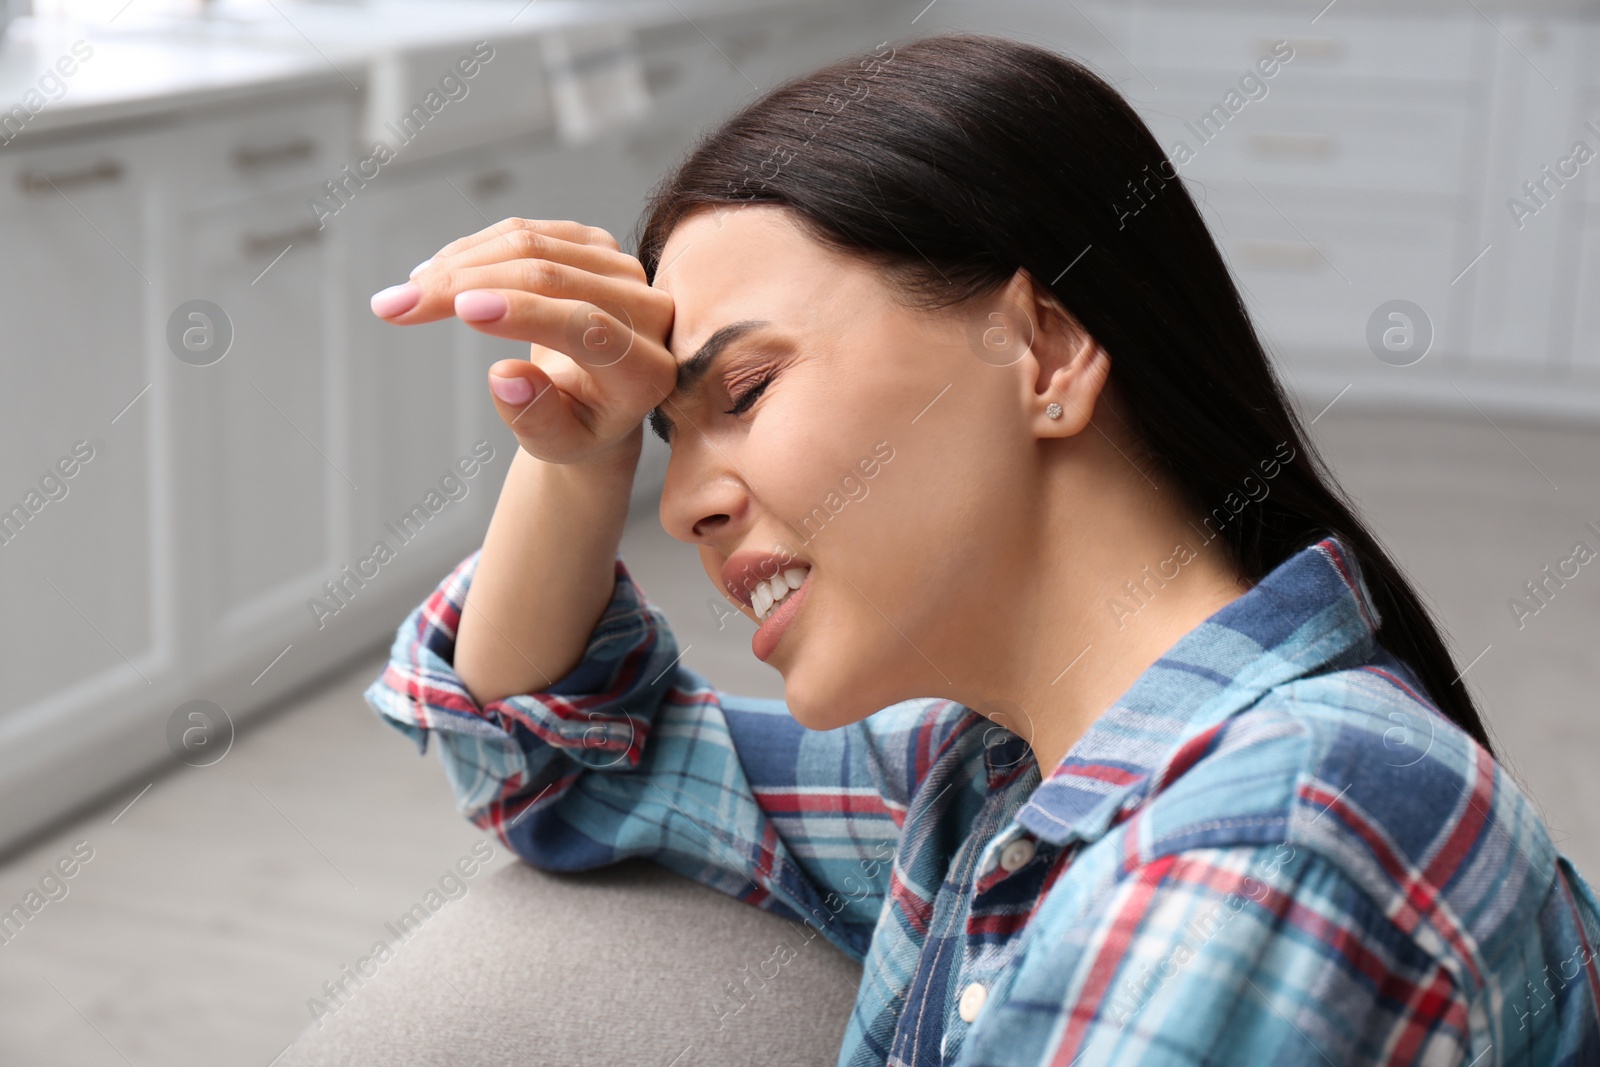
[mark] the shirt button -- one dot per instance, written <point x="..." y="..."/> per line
<point x="1017" y="854"/>
<point x="972" y="999"/>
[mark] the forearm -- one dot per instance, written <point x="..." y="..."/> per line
<point x="546" y="571"/>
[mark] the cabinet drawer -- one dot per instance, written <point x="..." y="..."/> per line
<point x="262" y="150"/>
<point x="1287" y="140"/>
<point x="1435" y="48"/>
<point x="72" y="169"/>
<point x="1317" y="297"/>
<point x="258" y="448"/>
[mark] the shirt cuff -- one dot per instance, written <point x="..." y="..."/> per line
<point x="598" y="712"/>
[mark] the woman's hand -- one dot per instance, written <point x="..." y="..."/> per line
<point x="596" y="327"/>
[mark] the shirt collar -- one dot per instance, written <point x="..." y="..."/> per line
<point x="1313" y="608"/>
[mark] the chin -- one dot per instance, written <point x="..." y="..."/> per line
<point x="826" y="710"/>
<point x="808" y="714"/>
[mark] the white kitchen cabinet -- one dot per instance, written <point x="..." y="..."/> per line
<point x="177" y="565"/>
<point x="225" y="495"/>
<point x="1329" y="194"/>
<point x="260" y="436"/>
<point x="299" y="140"/>
<point x="1356" y="153"/>
<point x="1385" y="153"/>
<point x="1343" y="47"/>
<point x="1583" y="289"/>
<point x="1532" y="121"/>
<point x="87" y="637"/>
<point x="1311" y="283"/>
<point x="1578" y="288"/>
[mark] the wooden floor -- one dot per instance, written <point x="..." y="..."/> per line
<point x="224" y="897"/>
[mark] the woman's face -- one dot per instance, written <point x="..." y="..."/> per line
<point x="891" y="454"/>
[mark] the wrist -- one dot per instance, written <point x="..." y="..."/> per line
<point x="611" y="467"/>
<point x="620" y="458"/>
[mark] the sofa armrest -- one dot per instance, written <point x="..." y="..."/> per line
<point x="625" y="964"/>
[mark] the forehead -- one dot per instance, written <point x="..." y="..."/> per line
<point x="737" y="262"/>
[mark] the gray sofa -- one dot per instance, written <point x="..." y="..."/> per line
<point x="628" y="964"/>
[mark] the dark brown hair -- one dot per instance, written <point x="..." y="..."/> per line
<point x="954" y="160"/>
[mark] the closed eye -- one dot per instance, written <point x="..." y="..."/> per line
<point x="749" y="397"/>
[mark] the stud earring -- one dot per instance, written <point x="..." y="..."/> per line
<point x="1053" y="410"/>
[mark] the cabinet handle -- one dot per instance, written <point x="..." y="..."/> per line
<point x="261" y="244"/>
<point x="492" y="182"/>
<point x="659" y="77"/>
<point x="1280" y="255"/>
<point x="1293" y="145"/>
<point x="35" y="182"/>
<point x="246" y="158"/>
<point x="743" y="45"/>
<point x="1324" y="48"/>
<point x="648" y="147"/>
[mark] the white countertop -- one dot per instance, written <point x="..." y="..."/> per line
<point x="144" y="65"/>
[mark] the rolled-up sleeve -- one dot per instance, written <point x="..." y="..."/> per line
<point x="501" y="756"/>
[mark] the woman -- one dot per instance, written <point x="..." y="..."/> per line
<point x="1110" y="734"/>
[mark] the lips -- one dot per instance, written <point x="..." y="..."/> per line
<point x="776" y="624"/>
<point x="745" y="570"/>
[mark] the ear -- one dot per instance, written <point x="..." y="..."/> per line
<point x="1065" y="365"/>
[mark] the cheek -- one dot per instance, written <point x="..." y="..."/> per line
<point x="894" y="547"/>
<point x="803" y="458"/>
<point x="951" y="484"/>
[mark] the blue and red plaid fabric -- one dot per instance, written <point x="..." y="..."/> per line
<point x="1272" y="849"/>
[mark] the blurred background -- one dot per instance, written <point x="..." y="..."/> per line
<point x="204" y="432"/>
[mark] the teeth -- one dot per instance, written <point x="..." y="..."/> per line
<point x="768" y="593"/>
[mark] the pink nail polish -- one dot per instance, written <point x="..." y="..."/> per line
<point x="396" y="300"/>
<point x="481" y="305"/>
<point x="511" y="390"/>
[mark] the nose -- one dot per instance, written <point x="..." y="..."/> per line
<point x="702" y="498"/>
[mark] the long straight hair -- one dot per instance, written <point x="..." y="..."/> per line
<point x="954" y="160"/>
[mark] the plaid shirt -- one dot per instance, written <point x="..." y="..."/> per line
<point x="1270" y="850"/>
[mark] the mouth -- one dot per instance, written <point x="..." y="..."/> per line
<point x="776" y="617"/>
<point x="772" y="587"/>
<point x="777" y="590"/>
<point x="759" y="580"/>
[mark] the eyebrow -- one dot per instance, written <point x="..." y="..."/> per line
<point x="697" y="366"/>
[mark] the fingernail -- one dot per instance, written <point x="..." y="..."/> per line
<point x="481" y="305"/>
<point x="396" y="300"/>
<point x="419" y="266"/>
<point x="511" y="390"/>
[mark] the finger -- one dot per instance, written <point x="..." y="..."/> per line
<point x="626" y="369"/>
<point x="527" y="401"/>
<point x="436" y="291"/>
<point x="533" y="244"/>
<point x="549" y="420"/>
<point x="563" y="229"/>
